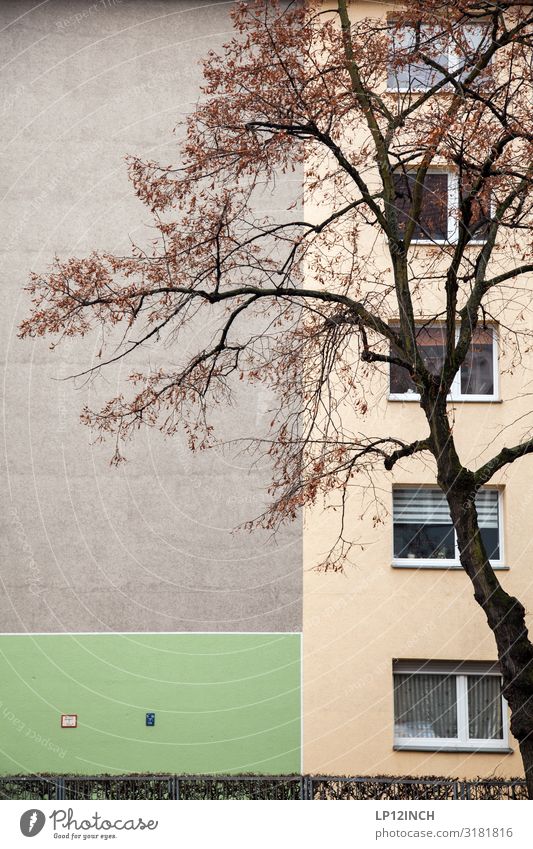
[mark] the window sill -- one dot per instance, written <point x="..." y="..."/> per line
<point x="399" y="91"/>
<point x="425" y="243"/>
<point x="445" y="243"/>
<point x="481" y="750"/>
<point x="447" y="566"/>
<point x="417" y="91"/>
<point x="474" y="399"/>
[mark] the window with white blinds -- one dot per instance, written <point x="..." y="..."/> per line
<point x="487" y="508"/>
<point x="437" y="710"/>
<point x="423" y="531"/>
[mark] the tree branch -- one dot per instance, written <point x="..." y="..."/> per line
<point x="407" y="451"/>
<point x="504" y="458"/>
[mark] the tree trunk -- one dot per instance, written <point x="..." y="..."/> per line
<point x="526" y="750"/>
<point x="506" y="618"/>
<point x="505" y="614"/>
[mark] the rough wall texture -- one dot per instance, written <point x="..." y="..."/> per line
<point x="86" y="548"/>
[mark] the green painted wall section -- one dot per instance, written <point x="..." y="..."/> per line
<point x="224" y="703"/>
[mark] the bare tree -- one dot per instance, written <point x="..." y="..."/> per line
<point x="341" y="292"/>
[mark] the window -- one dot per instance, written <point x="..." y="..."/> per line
<point x="423" y="533"/>
<point x="480" y="214"/>
<point x="442" y="197"/>
<point x="433" y="221"/>
<point x="447" y="705"/>
<point x="476" y="379"/>
<point x="407" y="70"/>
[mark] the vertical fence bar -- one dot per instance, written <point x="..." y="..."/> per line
<point x="308" y="788"/>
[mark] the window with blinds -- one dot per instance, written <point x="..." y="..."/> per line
<point x="423" y="531"/>
<point x="476" y="378"/>
<point x="436" y="709"/>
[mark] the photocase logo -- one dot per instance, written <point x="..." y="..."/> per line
<point x="32" y="822"/>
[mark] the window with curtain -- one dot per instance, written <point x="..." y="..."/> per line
<point x="436" y="709"/>
<point x="484" y="707"/>
<point x="425" y="706"/>
<point x="476" y="376"/>
<point x="423" y="529"/>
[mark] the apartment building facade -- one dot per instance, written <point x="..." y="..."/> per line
<point x="400" y="672"/>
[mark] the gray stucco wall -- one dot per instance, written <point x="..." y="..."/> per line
<point x="86" y="547"/>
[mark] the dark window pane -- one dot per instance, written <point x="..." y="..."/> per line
<point x="477" y="371"/>
<point x="400" y="379"/>
<point x="425" y="706"/>
<point x="424" y="541"/>
<point x="484" y="708"/>
<point x="431" y="342"/>
<point x="433" y="354"/>
<point x="491" y="540"/>
<point x="477" y="218"/>
<point x="432" y="221"/>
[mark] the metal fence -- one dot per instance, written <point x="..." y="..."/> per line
<point x="70" y="787"/>
<point x="289" y="787"/>
<point x="339" y="787"/>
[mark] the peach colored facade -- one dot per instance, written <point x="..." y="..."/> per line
<point x="357" y="623"/>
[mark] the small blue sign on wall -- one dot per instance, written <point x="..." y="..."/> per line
<point x="150" y="718"/>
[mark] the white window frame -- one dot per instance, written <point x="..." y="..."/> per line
<point x="454" y="63"/>
<point x="462" y="742"/>
<point x="455" y="394"/>
<point x="446" y="562"/>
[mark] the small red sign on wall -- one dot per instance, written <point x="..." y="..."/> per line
<point x="69" y="720"/>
